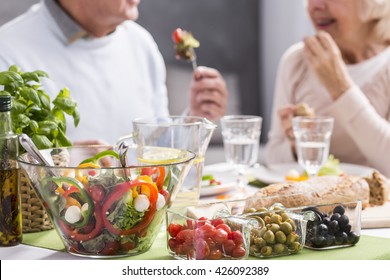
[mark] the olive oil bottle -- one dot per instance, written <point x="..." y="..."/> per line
<point x="10" y="201"/>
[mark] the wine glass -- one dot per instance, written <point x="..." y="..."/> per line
<point x="241" y="135"/>
<point x="312" y="140"/>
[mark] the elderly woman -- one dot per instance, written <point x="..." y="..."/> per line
<point x="343" y="71"/>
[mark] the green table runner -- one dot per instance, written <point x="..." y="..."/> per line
<point x="368" y="248"/>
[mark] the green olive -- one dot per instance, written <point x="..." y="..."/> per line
<point x="286" y="227"/>
<point x="269" y="237"/>
<point x="273" y="227"/>
<point x="259" y="242"/>
<point x="280" y="237"/>
<point x="276" y="219"/>
<point x="292" y="223"/>
<point x="291" y="238"/>
<point x="266" y="251"/>
<point x="294" y="247"/>
<point x="267" y="219"/>
<point x="279" y="248"/>
<point x="284" y="216"/>
<point x="250" y="210"/>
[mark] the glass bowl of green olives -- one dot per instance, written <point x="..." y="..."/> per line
<point x="208" y="232"/>
<point x="333" y="225"/>
<point x="279" y="232"/>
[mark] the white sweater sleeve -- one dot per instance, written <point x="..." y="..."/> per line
<point x="369" y="131"/>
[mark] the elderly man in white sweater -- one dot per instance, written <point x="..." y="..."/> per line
<point x="111" y="65"/>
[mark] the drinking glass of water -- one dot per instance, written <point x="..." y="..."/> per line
<point x="241" y="135"/>
<point x="312" y="139"/>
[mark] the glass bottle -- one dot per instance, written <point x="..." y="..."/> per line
<point x="10" y="201"/>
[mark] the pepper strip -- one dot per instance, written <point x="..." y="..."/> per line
<point x="117" y="194"/>
<point x="159" y="171"/>
<point x="74" y="234"/>
<point x="84" y="195"/>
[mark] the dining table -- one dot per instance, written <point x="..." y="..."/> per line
<point x="374" y="243"/>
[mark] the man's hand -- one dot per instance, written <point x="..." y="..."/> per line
<point x="208" y="94"/>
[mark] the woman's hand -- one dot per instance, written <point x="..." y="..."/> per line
<point x="208" y="97"/>
<point x="285" y="115"/>
<point x="326" y="60"/>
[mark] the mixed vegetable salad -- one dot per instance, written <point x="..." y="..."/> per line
<point x="100" y="212"/>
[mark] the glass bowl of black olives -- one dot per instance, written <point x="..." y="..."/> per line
<point x="333" y="225"/>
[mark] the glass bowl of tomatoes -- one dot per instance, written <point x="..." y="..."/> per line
<point x="208" y="232"/>
<point x="102" y="206"/>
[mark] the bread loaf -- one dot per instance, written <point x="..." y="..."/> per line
<point x="318" y="190"/>
<point x="379" y="188"/>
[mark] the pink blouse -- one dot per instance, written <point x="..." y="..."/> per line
<point x="361" y="133"/>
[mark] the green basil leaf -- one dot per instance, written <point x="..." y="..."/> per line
<point x="14" y="68"/>
<point x="48" y="124"/>
<point x="18" y="106"/>
<point x="62" y="140"/>
<point x="41" y="141"/>
<point x="11" y="78"/>
<point x="76" y="117"/>
<point x="45" y="99"/>
<point x="29" y="93"/>
<point x="34" y="126"/>
<point x="22" y="120"/>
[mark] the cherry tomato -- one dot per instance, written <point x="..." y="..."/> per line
<point x="202" y="249"/>
<point x="228" y="246"/>
<point x="177" y="35"/>
<point x="172" y="244"/>
<point x="97" y="193"/>
<point x="212" y="244"/>
<point x="237" y="237"/>
<point x="200" y="222"/>
<point x="186" y="235"/>
<point x="217" y="222"/>
<point x="204" y="232"/>
<point x="215" y="254"/>
<point x="174" y="229"/>
<point x="225" y="227"/>
<point x="238" y="252"/>
<point x="220" y="236"/>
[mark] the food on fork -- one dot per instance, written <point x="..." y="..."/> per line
<point x="184" y="44"/>
<point x="303" y="110"/>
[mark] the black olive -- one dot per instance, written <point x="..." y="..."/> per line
<point x="326" y="220"/>
<point x="333" y="226"/>
<point x="335" y="217"/>
<point x="343" y="221"/>
<point x="347" y="228"/>
<point x="339" y="209"/>
<point x="353" y="238"/>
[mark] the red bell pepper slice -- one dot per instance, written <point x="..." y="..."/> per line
<point x="74" y="233"/>
<point x="156" y="173"/>
<point x="116" y="194"/>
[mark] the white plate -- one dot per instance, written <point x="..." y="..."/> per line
<point x="276" y="173"/>
<point x="221" y="172"/>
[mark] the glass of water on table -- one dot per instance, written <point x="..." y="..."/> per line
<point x="241" y="135"/>
<point x="312" y="140"/>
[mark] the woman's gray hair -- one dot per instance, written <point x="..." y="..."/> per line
<point x="379" y="11"/>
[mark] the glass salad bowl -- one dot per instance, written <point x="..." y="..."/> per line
<point x="101" y="208"/>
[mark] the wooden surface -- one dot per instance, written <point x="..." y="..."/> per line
<point x="376" y="216"/>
